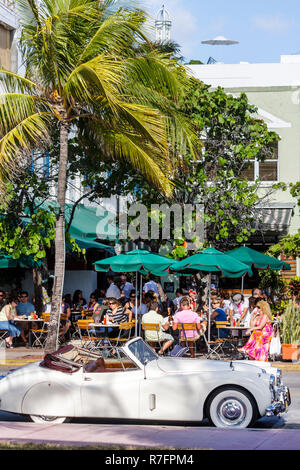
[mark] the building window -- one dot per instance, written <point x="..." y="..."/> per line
<point x="266" y="170"/>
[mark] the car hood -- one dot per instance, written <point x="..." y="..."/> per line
<point x="204" y="365"/>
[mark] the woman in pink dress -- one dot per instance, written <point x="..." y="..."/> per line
<point x="257" y="347"/>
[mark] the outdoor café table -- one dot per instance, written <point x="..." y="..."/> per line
<point x="240" y="330"/>
<point x="107" y="346"/>
<point x="29" y="322"/>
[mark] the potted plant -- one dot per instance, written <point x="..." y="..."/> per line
<point x="289" y="328"/>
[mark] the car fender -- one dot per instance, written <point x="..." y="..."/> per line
<point x="48" y="398"/>
<point x="257" y="386"/>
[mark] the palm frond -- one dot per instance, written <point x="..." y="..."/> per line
<point x="14" y="108"/>
<point x="12" y="82"/>
<point x="30" y="133"/>
<point x="115" y="34"/>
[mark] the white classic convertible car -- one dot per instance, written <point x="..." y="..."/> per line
<point x="139" y="384"/>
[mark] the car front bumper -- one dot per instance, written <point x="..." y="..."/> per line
<point x="281" y="403"/>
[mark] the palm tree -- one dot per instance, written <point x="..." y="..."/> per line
<point x="81" y="68"/>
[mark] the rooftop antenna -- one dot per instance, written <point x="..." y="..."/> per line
<point x="163" y="26"/>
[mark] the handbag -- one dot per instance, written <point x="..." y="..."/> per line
<point x="275" y="346"/>
<point x="178" y="350"/>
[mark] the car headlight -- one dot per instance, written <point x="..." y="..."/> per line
<point x="278" y="377"/>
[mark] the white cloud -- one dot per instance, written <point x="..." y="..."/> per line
<point x="273" y="23"/>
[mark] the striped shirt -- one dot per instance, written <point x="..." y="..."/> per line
<point x="119" y="316"/>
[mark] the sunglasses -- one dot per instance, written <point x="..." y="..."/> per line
<point x="23" y="296"/>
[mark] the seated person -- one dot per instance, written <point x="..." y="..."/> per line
<point x="100" y="311"/>
<point x="219" y="314"/>
<point x="115" y="313"/>
<point x="154" y="336"/>
<point x="257" y="346"/>
<point x="186" y="315"/>
<point x="25" y="309"/>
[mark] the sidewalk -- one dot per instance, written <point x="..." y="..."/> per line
<point x="19" y="356"/>
<point x="149" y="436"/>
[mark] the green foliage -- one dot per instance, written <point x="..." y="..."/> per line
<point x="289" y="325"/>
<point x="290" y="244"/>
<point x="294" y="286"/>
<point x="25" y="229"/>
<point x="213" y="175"/>
<point x="271" y="279"/>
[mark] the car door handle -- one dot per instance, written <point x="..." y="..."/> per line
<point x="87" y="379"/>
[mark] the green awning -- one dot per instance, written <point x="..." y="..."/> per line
<point x="7" y="261"/>
<point x="88" y="243"/>
<point x="88" y="221"/>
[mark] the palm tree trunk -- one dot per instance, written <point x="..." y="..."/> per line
<point x="59" y="267"/>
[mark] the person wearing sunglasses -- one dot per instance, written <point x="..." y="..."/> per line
<point x="133" y="300"/>
<point x="25" y="307"/>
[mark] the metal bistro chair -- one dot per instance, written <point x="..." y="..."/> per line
<point x="216" y="347"/>
<point x="189" y="343"/>
<point x="228" y="348"/>
<point x="124" y="334"/>
<point x="3" y="334"/>
<point x="152" y="327"/>
<point x="40" y="334"/>
<point x="87" y="340"/>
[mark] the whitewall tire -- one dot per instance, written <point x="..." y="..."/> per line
<point x="231" y="407"/>
<point x="48" y="419"/>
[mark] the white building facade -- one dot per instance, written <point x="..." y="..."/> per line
<point x="274" y="88"/>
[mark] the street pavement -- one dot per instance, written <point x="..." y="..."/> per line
<point x="276" y="433"/>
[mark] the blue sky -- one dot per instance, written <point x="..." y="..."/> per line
<point x="265" y="29"/>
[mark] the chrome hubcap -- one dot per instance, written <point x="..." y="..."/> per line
<point x="231" y="411"/>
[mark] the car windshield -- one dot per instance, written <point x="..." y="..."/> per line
<point x="142" y="352"/>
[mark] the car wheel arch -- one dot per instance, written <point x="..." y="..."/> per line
<point x="221" y="388"/>
<point x="29" y="404"/>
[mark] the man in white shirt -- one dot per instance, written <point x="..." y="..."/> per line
<point x="152" y="336"/>
<point x="114" y="287"/>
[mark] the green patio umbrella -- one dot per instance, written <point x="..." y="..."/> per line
<point x="258" y="260"/>
<point x="212" y="260"/>
<point x="139" y="261"/>
<point x="208" y="261"/>
<point x="142" y="261"/>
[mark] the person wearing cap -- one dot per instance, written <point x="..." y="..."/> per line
<point x="238" y="309"/>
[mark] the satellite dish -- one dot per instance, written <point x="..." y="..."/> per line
<point x="220" y="41"/>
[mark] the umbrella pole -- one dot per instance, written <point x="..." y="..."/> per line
<point x="242" y="286"/>
<point x="209" y="305"/>
<point x="141" y="293"/>
<point x="136" y="306"/>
